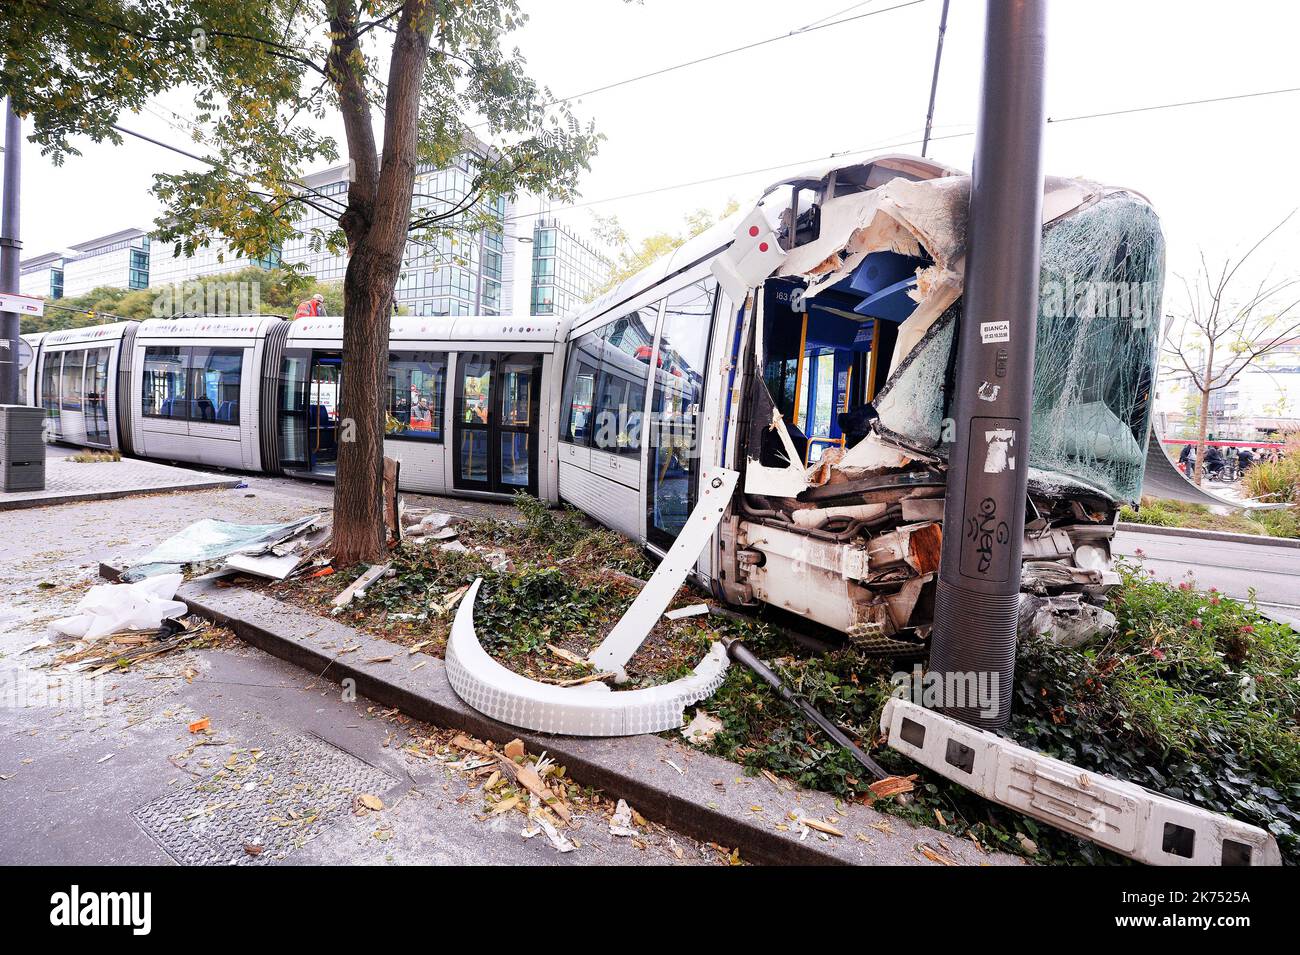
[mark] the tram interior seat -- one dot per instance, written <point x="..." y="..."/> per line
<point x="228" y="412"/>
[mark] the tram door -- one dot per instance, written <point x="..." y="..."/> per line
<point x="322" y="408"/>
<point x="495" y="409"/>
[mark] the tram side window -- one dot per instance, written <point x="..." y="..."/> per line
<point x="163" y="385"/>
<point x="417" y="389"/>
<point x="216" y="374"/>
<point x="580" y="388"/>
<point x="624" y="372"/>
<point x="71" y="390"/>
<point x="50" y="373"/>
<point x="675" y="410"/>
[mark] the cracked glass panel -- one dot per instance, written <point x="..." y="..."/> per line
<point x="1098" y="331"/>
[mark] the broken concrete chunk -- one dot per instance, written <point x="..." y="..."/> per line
<point x="701" y="730"/>
<point x="620" y="824"/>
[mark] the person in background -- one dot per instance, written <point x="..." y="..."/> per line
<point x="1244" y="459"/>
<point x="1187" y="459"/>
<point x="1213" y="461"/>
<point x="313" y="307"/>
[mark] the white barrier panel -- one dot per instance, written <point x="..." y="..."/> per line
<point x="588" y="710"/>
<point x="1121" y="816"/>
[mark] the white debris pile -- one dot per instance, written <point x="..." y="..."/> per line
<point x="110" y="608"/>
<point x="701" y="730"/>
<point x="269" y="550"/>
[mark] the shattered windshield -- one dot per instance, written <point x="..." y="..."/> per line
<point x="1098" y="326"/>
<point x="1098" y="329"/>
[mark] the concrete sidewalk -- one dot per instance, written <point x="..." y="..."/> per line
<point x="123" y="781"/>
<point x="67" y="481"/>
<point x="695" y="794"/>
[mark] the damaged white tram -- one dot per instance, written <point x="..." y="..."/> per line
<point x="809" y="345"/>
<point x="806" y="344"/>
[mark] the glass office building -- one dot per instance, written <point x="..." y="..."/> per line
<point x="568" y="270"/>
<point x="42" y="276"/>
<point x="459" y="274"/>
<point x="119" y="260"/>
<point x="467" y="273"/>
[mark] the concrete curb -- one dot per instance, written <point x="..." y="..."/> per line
<point x="1225" y="536"/>
<point x="704" y="797"/>
<point x="82" y="496"/>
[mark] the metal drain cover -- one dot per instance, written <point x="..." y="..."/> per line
<point x="278" y="799"/>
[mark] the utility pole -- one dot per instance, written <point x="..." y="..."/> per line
<point x="934" y="81"/>
<point x="10" y="250"/>
<point x="978" y="596"/>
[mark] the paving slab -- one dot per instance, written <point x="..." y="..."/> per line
<point x="669" y="782"/>
<point x="68" y="481"/>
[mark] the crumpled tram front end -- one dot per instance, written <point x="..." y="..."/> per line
<point x="853" y="279"/>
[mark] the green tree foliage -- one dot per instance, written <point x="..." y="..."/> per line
<point x="278" y="290"/>
<point x="433" y="77"/>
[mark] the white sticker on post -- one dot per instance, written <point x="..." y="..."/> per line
<point x="995" y="332"/>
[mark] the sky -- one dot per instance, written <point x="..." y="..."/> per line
<point x="1217" y="174"/>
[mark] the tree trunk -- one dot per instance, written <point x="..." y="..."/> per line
<point x="375" y="222"/>
<point x="1204" y="425"/>
<point x="358" y="486"/>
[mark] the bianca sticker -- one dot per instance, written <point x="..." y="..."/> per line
<point x="995" y="332"/>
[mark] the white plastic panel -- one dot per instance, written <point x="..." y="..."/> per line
<point x="423" y="465"/>
<point x="613" y="504"/>
<point x="589" y="710"/>
<point x="1119" y="815"/>
<point x="621" y="468"/>
<point x="716" y="487"/>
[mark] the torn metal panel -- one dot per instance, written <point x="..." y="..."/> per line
<point x="783" y="481"/>
<point x="916" y="545"/>
<point x="1066" y="619"/>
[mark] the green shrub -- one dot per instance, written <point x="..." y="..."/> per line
<point x="1274" y="481"/>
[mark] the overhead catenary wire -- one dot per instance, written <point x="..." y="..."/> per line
<point x="913" y="142"/>
<point x="800" y="31"/>
<point x="934" y="80"/>
<point x="1178" y="105"/>
<point x="655" y="190"/>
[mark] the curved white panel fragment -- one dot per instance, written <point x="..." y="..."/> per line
<point x="588" y="710"/>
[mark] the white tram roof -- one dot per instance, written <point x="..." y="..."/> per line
<point x="209" y="326"/>
<point x="86" y="335"/>
<point x="865" y="174"/>
<point x="439" y="328"/>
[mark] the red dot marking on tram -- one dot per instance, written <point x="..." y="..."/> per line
<point x="753" y="230"/>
